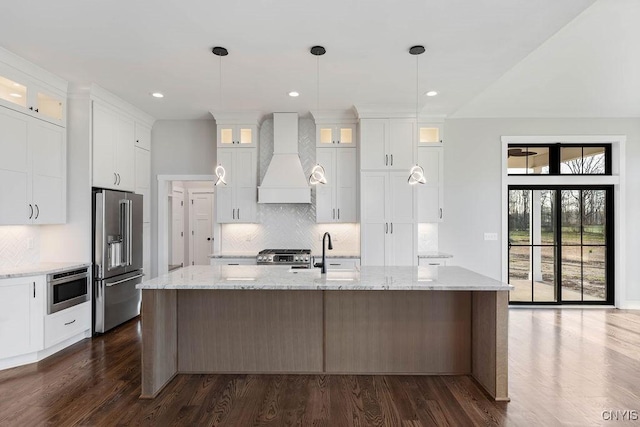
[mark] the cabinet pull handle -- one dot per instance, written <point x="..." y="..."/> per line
<point x="440" y="213"/>
<point x="34" y="289"/>
<point x="31" y="214"/>
<point x="234" y="213"/>
<point x="68" y="323"/>
<point x="386" y="160"/>
<point x="238" y="208"/>
<point x="37" y="212"/>
<point x="386" y="227"/>
<point x="391" y="228"/>
<point x="338" y="208"/>
<point x="392" y="160"/>
<point x="118" y="179"/>
<point x="115" y="178"/>
<point x="31" y="108"/>
<point x="333" y="214"/>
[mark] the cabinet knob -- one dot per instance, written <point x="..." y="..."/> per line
<point x="36" y="110"/>
<point x="31" y="108"/>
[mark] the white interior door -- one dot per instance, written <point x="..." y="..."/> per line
<point x="177" y="229"/>
<point x="201" y="224"/>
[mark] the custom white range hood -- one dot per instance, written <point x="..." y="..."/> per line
<point x="285" y="180"/>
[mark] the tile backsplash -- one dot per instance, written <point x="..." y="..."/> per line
<point x="288" y="225"/>
<point x="14" y="249"/>
<point x="294" y="225"/>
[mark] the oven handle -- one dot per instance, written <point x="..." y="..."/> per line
<point x="68" y="278"/>
<point x="125" y="280"/>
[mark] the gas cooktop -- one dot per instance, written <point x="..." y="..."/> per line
<point x="298" y="257"/>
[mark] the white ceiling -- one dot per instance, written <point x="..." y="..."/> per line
<point x="132" y="48"/>
<point x="590" y="68"/>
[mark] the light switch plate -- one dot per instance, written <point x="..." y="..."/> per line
<point x="490" y="236"/>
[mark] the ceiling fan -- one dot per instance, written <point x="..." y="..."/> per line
<point x="517" y="152"/>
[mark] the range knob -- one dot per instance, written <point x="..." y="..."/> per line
<point x="306" y="259"/>
<point x="260" y="258"/>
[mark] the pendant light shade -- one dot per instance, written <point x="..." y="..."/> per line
<point x="416" y="173"/>
<point x="318" y="174"/>
<point x="220" y="173"/>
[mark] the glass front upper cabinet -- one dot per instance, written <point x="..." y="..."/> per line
<point x="342" y="135"/>
<point x="237" y="135"/>
<point x="430" y="134"/>
<point x="28" y="97"/>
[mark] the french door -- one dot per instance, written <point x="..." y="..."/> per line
<point x="561" y="244"/>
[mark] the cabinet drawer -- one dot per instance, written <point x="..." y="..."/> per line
<point x="233" y="261"/>
<point x="341" y="263"/>
<point x="424" y="262"/>
<point x="66" y="323"/>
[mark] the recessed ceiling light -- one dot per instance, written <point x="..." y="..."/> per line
<point x="431" y="93"/>
<point x="15" y="95"/>
<point x="157" y="95"/>
<point x="294" y="94"/>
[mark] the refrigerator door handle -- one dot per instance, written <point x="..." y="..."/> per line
<point x="129" y="234"/>
<point x="128" y="279"/>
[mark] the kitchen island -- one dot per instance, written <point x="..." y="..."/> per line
<point x="375" y="320"/>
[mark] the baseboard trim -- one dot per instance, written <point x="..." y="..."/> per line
<point x="36" y="356"/>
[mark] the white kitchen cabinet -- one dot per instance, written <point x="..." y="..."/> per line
<point x="113" y="149"/>
<point x="237" y="135"/>
<point x="32" y="170"/>
<point x="341" y="263"/>
<point x="388" y="227"/>
<point x="433" y="261"/>
<point x="66" y="323"/>
<point x="387" y="144"/>
<point x="143" y="181"/>
<point x="430" y="134"/>
<point x="22" y="308"/>
<point x="336" y="135"/>
<point x="233" y="261"/>
<point x="336" y="200"/>
<point x="430" y="197"/>
<point x="237" y="200"/>
<point x="24" y="94"/>
<point x="143" y="136"/>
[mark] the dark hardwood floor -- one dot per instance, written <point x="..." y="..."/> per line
<point x="566" y="368"/>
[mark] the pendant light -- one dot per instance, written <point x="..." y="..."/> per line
<point x="318" y="175"/>
<point x="416" y="173"/>
<point x="220" y="52"/>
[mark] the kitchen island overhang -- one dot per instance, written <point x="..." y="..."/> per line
<point x="378" y="320"/>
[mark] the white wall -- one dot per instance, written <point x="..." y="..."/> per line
<point x="473" y="182"/>
<point x="178" y="147"/>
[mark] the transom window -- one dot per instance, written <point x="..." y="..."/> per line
<point x="559" y="159"/>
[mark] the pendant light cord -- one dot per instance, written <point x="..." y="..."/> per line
<point x="318" y="83"/>
<point x="220" y="80"/>
<point x="417" y="74"/>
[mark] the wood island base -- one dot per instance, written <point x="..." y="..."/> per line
<point x="324" y="331"/>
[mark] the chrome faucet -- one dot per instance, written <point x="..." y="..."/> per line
<point x="323" y="265"/>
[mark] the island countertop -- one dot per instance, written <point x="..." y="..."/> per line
<point x="252" y="277"/>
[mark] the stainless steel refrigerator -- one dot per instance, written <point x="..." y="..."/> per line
<point x="117" y="255"/>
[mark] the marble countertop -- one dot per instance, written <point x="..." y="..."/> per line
<point x="39" y="269"/>
<point x="434" y="254"/>
<point x="252" y="277"/>
<point x="248" y="256"/>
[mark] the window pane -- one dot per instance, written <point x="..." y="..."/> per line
<point x="519" y="268"/>
<point x="594" y="214"/>
<point x="528" y="160"/>
<point x="571" y="217"/>
<point x="593" y="160"/>
<point x="594" y="276"/>
<point x="571" y="273"/>
<point x="547" y="217"/>
<point x="544" y="274"/>
<point x="519" y="217"/>
<point x="571" y="160"/>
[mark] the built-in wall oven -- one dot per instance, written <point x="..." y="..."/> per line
<point x="67" y="288"/>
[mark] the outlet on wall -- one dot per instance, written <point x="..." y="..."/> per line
<point x="490" y="236"/>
